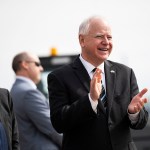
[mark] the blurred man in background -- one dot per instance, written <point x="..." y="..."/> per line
<point x="31" y="106"/>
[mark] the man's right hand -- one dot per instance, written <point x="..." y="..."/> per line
<point x="95" y="85"/>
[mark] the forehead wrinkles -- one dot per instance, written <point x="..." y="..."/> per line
<point x="99" y="26"/>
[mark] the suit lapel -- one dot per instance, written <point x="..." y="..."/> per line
<point x="81" y="73"/>
<point x="110" y="75"/>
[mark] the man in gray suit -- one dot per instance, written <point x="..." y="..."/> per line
<point x="31" y="107"/>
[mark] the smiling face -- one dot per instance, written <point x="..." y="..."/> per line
<point x="97" y="43"/>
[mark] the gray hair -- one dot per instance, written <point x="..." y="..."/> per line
<point x="85" y="25"/>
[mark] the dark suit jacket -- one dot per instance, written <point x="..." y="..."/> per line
<point x="8" y="119"/>
<point x="72" y="114"/>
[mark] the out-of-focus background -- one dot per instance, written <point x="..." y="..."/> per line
<point x="40" y="25"/>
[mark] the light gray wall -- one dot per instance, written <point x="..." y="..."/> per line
<point x="38" y="25"/>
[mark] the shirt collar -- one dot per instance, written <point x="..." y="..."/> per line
<point x="32" y="84"/>
<point x="89" y="67"/>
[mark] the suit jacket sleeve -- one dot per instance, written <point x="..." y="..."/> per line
<point x="143" y="115"/>
<point x="68" y="109"/>
<point x="15" y="133"/>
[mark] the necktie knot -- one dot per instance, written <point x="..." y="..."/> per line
<point x="94" y="70"/>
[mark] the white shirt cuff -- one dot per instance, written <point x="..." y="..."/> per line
<point x="133" y="117"/>
<point x="93" y="104"/>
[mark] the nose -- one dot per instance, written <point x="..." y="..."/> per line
<point x="105" y="40"/>
<point x="41" y="69"/>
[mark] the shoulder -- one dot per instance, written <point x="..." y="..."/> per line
<point x="119" y="69"/>
<point x="5" y="96"/>
<point x="34" y="94"/>
<point x="4" y="91"/>
<point x="67" y="69"/>
<point x="62" y="71"/>
<point x="117" y="65"/>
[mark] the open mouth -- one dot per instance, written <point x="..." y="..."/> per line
<point x="103" y="49"/>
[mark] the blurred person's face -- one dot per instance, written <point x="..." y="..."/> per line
<point x="97" y="44"/>
<point x="34" y="69"/>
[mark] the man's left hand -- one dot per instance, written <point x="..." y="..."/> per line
<point x="137" y="102"/>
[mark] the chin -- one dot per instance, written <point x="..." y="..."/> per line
<point x="103" y="58"/>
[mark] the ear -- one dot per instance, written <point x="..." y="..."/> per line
<point x="81" y="40"/>
<point x="24" y="65"/>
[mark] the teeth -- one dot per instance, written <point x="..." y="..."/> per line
<point x="103" y="49"/>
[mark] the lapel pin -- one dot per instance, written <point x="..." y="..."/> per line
<point x="112" y="71"/>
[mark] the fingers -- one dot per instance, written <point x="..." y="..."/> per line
<point x="145" y="100"/>
<point x="142" y="92"/>
<point x="95" y="85"/>
<point x="140" y="104"/>
<point x="97" y="75"/>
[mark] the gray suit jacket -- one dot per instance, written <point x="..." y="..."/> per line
<point x="33" y="116"/>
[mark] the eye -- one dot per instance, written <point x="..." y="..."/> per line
<point x="109" y="37"/>
<point x="37" y="64"/>
<point x="99" y="36"/>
